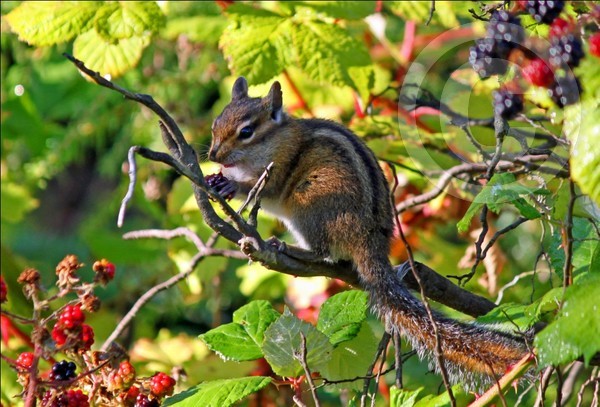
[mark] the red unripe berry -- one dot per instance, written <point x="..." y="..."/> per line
<point x="162" y="384"/>
<point x="71" y="317"/>
<point x="130" y="396"/>
<point x="127" y="372"/>
<point x="595" y="44"/>
<point x="59" y="335"/>
<point x="76" y="398"/>
<point x="538" y="73"/>
<point x="560" y="27"/>
<point x="86" y="337"/>
<point x="105" y="271"/>
<point x="3" y="290"/>
<point x="25" y="360"/>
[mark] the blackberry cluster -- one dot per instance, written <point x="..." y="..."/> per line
<point x="565" y="91"/>
<point x="63" y="371"/>
<point x="490" y="55"/>
<point x="544" y="11"/>
<point x="504" y="26"/>
<point x="507" y="104"/>
<point x="221" y="185"/>
<point x="566" y="50"/>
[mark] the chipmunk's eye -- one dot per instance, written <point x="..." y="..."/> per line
<point x="246" y="133"/>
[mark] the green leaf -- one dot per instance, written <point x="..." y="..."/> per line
<point x="202" y="29"/>
<point x="509" y="317"/>
<point x="251" y="43"/>
<point x="548" y="303"/>
<point x="218" y="393"/>
<point x="16" y="202"/>
<point x="403" y="397"/>
<point x="501" y="189"/>
<point x="260" y="44"/>
<point x="443" y="400"/>
<point x="283" y="343"/>
<point x="341" y="316"/>
<point x="126" y="19"/>
<point x="108" y="57"/>
<point x="43" y="23"/>
<point x="446" y="12"/>
<point x="242" y="339"/>
<point x="582" y="128"/>
<point x="348" y="10"/>
<point x="255" y="318"/>
<point x="327" y="52"/>
<point x="576" y="330"/>
<point x="352" y="358"/>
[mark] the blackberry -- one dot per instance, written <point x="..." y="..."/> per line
<point x="544" y="11"/>
<point x="503" y="26"/>
<point x="489" y="56"/>
<point x="63" y="370"/>
<point x="565" y="51"/>
<point x="507" y="104"/>
<point x="221" y="185"/>
<point x="143" y="401"/>
<point x="565" y="91"/>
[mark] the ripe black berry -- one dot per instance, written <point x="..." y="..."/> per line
<point x="503" y="26"/>
<point x="565" y="51"/>
<point x="489" y="56"/>
<point x="566" y="91"/>
<point x="507" y="104"/>
<point x="63" y="370"/>
<point x="221" y="185"/>
<point x="143" y="401"/>
<point x="544" y="11"/>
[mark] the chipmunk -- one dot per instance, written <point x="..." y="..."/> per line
<point x="327" y="187"/>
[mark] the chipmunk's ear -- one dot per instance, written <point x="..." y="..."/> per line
<point x="275" y="100"/>
<point x="240" y="88"/>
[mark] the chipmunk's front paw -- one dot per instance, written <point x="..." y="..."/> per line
<point x="280" y="245"/>
<point x="222" y="186"/>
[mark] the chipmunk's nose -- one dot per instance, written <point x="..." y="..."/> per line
<point x="212" y="154"/>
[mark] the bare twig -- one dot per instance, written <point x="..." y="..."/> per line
<point x="147" y="296"/>
<point x="543" y="386"/>
<point x="431" y="11"/>
<point x="398" y="357"/>
<point x="385" y="339"/>
<point x="167" y="234"/>
<point x="301" y="357"/>
<point x="568" y="244"/>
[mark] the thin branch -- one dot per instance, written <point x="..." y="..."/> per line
<point x="147" y="296"/>
<point x="301" y="357"/>
<point x="431" y="11"/>
<point x="167" y="235"/>
<point x="385" y="339"/>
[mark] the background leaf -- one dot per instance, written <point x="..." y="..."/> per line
<point x="282" y="342"/>
<point x="218" y="393"/>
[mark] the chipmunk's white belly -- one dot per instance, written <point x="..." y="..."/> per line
<point x="274" y="208"/>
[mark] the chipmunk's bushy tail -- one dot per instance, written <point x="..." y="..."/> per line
<point x="473" y="353"/>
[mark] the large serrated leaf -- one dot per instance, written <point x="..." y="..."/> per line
<point x="218" y="393"/>
<point x="203" y="29"/>
<point x="352" y="358"/>
<point x="585" y="243"/>
<point x="126" y="19"/>
<point x="576" y="330"/>
<point x="43" y="23"/>
<point x="251" y="43"/>
<point x="509" y="317"/>
<point x="242" y="339"/>
<point x="113" y="58"/>
<point x="341" y="316"/>
<point x="282" y="345"/>
<point x="327" y="53"/>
